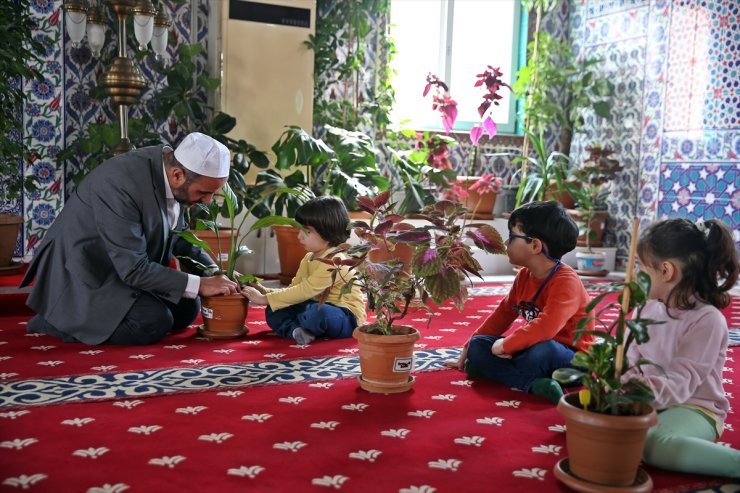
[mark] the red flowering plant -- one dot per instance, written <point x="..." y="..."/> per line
<point x="441" y="261"/>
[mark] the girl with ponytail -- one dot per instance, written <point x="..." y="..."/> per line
<point x="692" y="266"/>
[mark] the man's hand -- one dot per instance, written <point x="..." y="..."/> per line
<point x="498" y="349"/>
<point x="253" y="295"/>
<point x="216" y="285"/>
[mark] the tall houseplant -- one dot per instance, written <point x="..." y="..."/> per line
<point x="18" y="53"/>
<point x="590" y="188"/>
<point x="345" y="94"/>
<point x="607" y="421"/>
<point x="442" y="259"/>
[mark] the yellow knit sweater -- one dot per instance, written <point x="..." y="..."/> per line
<point x="312" y="278"/>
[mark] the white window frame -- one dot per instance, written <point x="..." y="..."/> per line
<point x="432" y="120"/>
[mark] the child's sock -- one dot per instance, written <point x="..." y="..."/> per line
<point x="302" y="336"/>
<point x="471" y="370"/>
<point x="548" y="388"/>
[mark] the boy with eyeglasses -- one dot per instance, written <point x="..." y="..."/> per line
<point x="550" y="297"/>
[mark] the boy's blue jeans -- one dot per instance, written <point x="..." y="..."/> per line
<point x="322" y="321"/>
<point x="524" y="367"/>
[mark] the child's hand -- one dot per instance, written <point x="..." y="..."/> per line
<point x="498" y="349"/>
<point x="459" y="363"/>
<point x="253" y="295"/>
<point x="258" y="287"/>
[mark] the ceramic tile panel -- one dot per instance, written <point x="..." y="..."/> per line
<point x="43" y="137"/>
<point x="82" y="71"/>
<point x="622" y="25"/>
<point x="701" y="191"/>
<point x="605" y="7"/>
<point x="618" y="38"/>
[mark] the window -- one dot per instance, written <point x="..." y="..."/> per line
<point x="456" y="40"/>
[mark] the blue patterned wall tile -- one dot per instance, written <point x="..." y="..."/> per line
<point x="42" y="127"/>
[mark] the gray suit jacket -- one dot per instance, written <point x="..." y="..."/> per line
<point x="109" y="243"/>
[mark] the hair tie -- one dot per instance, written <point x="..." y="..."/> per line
<point x="703" y="228"/>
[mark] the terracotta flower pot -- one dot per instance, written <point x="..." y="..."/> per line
<point x="386" y="361"/>
<point x="563" y="196"/>
<point x="480" y="205"/>
<point x="402" y="252"/>
<point x="9" y="226"/>
<point x="223" y="316"/>
<point x="602" y="448"/>
<point x="290" y="251"/>
<point x="224" y="237"/>
<point x="598" y="221"/>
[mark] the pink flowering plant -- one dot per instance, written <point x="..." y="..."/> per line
<point x="490" y="79"/>
<point x="441" y="261"/>
<point x="447" y="107"/>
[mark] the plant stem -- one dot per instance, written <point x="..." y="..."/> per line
<point x="626" y="293"/>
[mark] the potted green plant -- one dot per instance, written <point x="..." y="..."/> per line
<point x="557" y="88"/>
<point x="542" y="169"/>
<point x="590" y="188"/>
<point x="223" y="315"/>
<point x="17" y="56"/>
<point x="442" y="258"/>
<point x="608" y="419"/>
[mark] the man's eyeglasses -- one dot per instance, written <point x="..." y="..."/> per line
<point x="523" y="237"/>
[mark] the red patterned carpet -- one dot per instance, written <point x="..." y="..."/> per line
<point x="263" y="414"/>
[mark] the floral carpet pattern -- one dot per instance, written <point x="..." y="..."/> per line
<point x="285" y="418"/>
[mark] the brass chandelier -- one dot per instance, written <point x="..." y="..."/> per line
<point x="122" y="81"/>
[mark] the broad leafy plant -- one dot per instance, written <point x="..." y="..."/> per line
<point x="442" y="258"/>
<point x="19" y="53"/>
<point x="344" y="166"/>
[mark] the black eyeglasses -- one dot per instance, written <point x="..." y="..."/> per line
<point x="523" y="237"/>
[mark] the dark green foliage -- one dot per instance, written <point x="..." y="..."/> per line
<point x="18" y="54"/>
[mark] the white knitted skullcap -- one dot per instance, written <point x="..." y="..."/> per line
<point x="203" y="155"/>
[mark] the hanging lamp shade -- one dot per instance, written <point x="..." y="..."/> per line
<point x="76" y="19"/>
<point x="96" y="29"/>
<point x="144" y="13"/>
<point x="162" y="25"/>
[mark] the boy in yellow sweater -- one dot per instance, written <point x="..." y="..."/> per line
<point x="295" y="312"/>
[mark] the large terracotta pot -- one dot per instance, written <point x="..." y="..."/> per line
<point x="9" y="226"/>
<point x="224" y="237"/>
<point x="602" y="448"/>
<point x="290" y="251"/>
<point x="223" y="316"/>
<point x="386" y="361"/>
<point x="564" y="197"/>
<point x="401" y="252"/>
<point x="479" y="205"/>
<point x="598" y="221"/>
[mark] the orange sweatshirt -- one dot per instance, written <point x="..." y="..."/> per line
<point x="561" y="304"/>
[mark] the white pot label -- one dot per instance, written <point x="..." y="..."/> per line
<point x="223" y="257"/>
<point x="207" y="312"/>
<point x="401" y="365"/>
